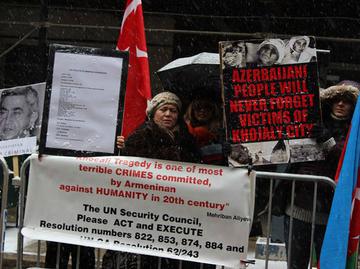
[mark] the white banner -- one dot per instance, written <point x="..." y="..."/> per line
<point x="178" y="210"/>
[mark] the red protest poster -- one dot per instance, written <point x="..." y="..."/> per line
<point x="271" y="98"/>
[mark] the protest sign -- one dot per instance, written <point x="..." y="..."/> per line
<point x="84" y="101"/>
<point x="20" y="119"/>
<point x="169" y="209"/>
<point x="271" y="97"/>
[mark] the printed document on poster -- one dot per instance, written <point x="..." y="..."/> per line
<point x="83" y="105"/>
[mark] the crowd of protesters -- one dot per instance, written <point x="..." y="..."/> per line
<point x="196" y="134"/>
<point x="166" y="136"/>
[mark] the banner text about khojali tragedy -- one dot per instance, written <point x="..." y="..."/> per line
<point x="168" y="209"/>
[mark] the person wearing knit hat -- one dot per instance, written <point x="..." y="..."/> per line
<point x="162" y="99"/>
<point x="337" y="106"/>
<point x="156" y="102"/>
<point x="270" y="51"/>
<point x="163" y="136"/>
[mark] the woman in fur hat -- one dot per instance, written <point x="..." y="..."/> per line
<point x="338" y="103"/>
<point x="162" y="136"/>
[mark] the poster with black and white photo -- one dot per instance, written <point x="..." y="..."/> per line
<point x="20" y="119"/>
<point x="84" y="101"/>
<point x="271" y="94"/>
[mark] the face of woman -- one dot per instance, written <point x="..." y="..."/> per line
<point x="299" y="45"/>
<point x="268" y="55"/>
<point x="203" y="111"/>
<point x="166" y="116"/>
<point x="341" y="108"/>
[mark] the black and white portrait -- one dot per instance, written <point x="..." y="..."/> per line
<point x="300" y="49"/>
<point x="234" y="55"/>
<point x="20" y="111"/>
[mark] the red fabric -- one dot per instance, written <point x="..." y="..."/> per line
<point x="342" y="158"/>
<point x="201" y="134"/>
<point x="355" y="220"/>
<point x="132" y="39"/>
<point x="203" y="138"/>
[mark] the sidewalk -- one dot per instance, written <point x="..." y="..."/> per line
<point x="31" y="247"/>
<point x="30" y="250"/>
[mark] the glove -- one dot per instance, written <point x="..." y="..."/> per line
<point x="320" y="133"/>
<point x="323" y="137"/>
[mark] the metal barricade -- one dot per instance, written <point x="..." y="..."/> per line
<point x="272" y="176"/>
<point x="4" y="198"/>
<point x="20" y="242"/>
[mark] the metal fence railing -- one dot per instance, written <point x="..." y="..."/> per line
<point x="4" y="198"/>
<point x="271" y="176"/>
<point x="293" y="178"/>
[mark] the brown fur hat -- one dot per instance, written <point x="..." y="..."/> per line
<point x="332" y="93"/>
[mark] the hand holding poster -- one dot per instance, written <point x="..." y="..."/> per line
<point x="271" y="99"/>
<point x="184" y="211"/>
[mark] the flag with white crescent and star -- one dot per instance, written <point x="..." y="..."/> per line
<point x="138" y="91"/>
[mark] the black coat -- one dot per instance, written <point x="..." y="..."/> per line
<point x="337" y="129"/>
<point x="304" y="190"/>
<point x="151" y="141"/>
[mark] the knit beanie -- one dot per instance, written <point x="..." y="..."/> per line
<point x="162" y="99"/>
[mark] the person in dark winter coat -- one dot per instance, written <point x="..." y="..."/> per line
<point x="338" y="103"/>
<point x="161" y="137"/>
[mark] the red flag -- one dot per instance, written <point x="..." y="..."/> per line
<point x="354" y="234"/>
<point x="132" y="39"/>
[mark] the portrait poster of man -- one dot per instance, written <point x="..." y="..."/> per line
<point x="84" y="101"/>
<point x="271" y="95"/>
<point x="20" y="119"/>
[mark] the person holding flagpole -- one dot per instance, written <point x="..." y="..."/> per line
<point x="341" y="242"/>
<point x="337" y="103"/>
